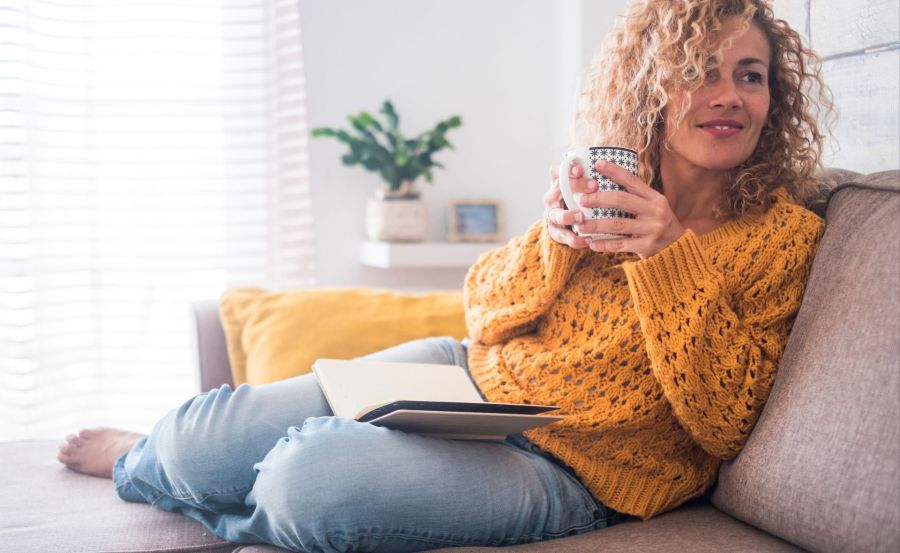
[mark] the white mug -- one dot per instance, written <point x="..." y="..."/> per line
<point x="587" y="158"/>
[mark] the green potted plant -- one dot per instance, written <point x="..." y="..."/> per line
<point x="396" y="213"/>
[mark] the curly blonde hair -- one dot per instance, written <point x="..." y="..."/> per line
<point x="668" y="45"/>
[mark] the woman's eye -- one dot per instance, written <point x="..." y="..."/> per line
<point x="753" y="77"/>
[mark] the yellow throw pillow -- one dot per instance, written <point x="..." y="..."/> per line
<point x="276" y="335"/>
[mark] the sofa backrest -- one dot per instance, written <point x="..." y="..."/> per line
<point x="822" y="467"/>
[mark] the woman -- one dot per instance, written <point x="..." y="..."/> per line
<point x="660" y="348"/>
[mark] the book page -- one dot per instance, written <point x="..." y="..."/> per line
<point x="351" y="386"/>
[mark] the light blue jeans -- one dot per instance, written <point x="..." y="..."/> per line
<point x="270" y="464"/>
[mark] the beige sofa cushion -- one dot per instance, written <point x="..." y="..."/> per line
<point x="47" y="508"/>
<point x="695" y="529"/>
<point x="822" y="467"/>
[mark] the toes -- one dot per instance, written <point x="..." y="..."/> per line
<point x="73" y="440"/>
<point x="67" y="460"/>
<point x="71" y="444"/>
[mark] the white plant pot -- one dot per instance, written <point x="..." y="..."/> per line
<point x="396" y="220"/>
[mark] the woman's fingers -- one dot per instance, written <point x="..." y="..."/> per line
<point x="623" y="177"/>
<point x="565" y="236"/>
<point x="614" y="225"/>
<point x="555" y="211"/>
<point x="563" y="217"/>
<point x="579" y="183"/>
<point x="615" y="200"/>
<point x="653" y="228"/>
<point x="559" y="220"/>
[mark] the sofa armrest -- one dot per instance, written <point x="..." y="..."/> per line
<point x="210" y="351"/>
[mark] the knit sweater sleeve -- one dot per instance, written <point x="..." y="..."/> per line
<point x="508" y="289"/>
<point x="715" y="351"/>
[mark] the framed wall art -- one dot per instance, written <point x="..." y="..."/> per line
<point x="475" y="220"/>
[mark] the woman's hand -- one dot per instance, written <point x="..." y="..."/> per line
<point x="559" y="219"/>
<point x="655" y="227"/>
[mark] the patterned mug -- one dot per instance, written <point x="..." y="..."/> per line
<point x="587" y="158"/>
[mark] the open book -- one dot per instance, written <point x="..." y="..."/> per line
<point x="436" y="400"/>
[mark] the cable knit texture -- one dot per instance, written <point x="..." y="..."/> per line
<point x="661" y="365"/>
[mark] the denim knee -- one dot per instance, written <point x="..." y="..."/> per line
<point x="312" y="486"/>
<point x="196" y="450"/>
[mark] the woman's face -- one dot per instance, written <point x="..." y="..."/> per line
<point x="721" y="127"/>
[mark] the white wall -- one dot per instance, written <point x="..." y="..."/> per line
<point x="508" y="67"/>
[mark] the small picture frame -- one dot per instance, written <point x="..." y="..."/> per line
<point x="475" y="220"/>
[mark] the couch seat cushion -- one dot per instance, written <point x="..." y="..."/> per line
<point x="696" y="528"/>
<point x="47" y="508"/>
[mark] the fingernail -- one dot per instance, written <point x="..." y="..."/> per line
<point x="601" y="164"/>
<point x="579" y="217"/>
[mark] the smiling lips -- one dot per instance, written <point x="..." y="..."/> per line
<point x="722" y="127"/>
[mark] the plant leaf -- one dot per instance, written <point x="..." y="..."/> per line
<point x="393" y="119"/>
<point x="366" y="120"/>
<point x="383" y="149"/>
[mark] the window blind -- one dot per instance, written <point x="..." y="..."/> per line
<point x="152" y="154"/>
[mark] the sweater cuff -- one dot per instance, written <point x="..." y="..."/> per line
<point x="670" y="275"/>
<point x="559" y="259"/>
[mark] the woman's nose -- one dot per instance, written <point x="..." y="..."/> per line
<point x="724" y="94"/>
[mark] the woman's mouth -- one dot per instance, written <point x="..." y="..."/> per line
<point x="721" y="128"/>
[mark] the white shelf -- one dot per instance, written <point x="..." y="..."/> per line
<point x="422" y="254"/>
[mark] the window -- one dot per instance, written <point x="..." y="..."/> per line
<point x="151" y="154"/>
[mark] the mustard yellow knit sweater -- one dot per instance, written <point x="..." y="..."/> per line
<point x="661" y="365"/>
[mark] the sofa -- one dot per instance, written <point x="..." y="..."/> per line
<point x="820" y="472"/>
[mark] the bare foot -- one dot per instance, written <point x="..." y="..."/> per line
<point x="96" y="450"/>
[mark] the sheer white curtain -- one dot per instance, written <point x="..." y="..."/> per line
<point x="151" y="153"/>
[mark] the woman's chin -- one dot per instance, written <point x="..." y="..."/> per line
<point x="724" y="164"/>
